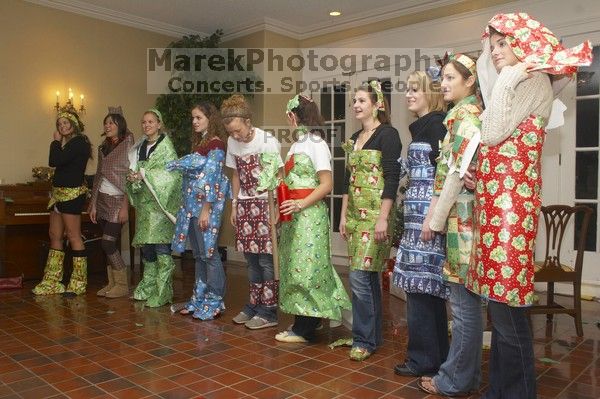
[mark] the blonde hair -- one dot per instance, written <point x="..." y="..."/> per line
<point x="432" y="90"/>
<point x="235" y="106"/>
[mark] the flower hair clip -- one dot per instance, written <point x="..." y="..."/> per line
<point x="295" y="102"/>
<point x="434" y="73"/>
<point x="380" y="105"/>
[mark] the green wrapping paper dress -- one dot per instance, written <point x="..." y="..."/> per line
<point x="364" y="203"/>
<point x="152" y="226"/>
<point x="309" y="285"/>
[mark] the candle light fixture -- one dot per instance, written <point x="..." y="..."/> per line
<point x="69" y="104"/>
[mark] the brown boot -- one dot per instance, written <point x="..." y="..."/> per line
<point x="121" y="287"/>
<point x="111" y="282"/>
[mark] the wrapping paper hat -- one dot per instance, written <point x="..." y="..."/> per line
<point x="531" y="43"/>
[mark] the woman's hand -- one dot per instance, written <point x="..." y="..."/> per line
<point x="469" y="178"/>
<point x="233" y="216"/>
<point x="134" y="176"/>
<point x="92" y="213"/>
<point x="123" y="214"/>
<point x="381" y="227"/>
<point x="343" y="227"/>
<point x="426" y="232"/>
<point x="56" y="136"/>
<point x="290" y="206"/>
<point x="204" y="217"/>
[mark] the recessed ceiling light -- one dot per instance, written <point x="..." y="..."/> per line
<point x="335" y="13"/>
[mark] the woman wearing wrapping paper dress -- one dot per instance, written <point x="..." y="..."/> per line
<point x="204" y="191"/>
<point x="309" y="286"/>
<point x="452" y="212"/>
<point x="155" y="194"/>
<point x="69" y="154"/>
<point x="370" y="187"/>
<point x="108" y="205"/>
<point x="421" y="253"/>
<point x="250" y="214"/>
<point x="519" y="56"/>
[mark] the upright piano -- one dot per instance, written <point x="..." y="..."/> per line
<point x="24" y="230"/>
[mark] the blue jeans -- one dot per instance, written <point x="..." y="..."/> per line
<point x="366" y="309"/>
<point x="260" y="269"/>
<point x="461" y="372"/>
<point x="151" y="251"/>
<point x="209" y="270"/>
<point x="427" y="333"/>
<point x="512" y="369"/>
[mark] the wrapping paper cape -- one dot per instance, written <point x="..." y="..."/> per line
<point x="157" y="196"/>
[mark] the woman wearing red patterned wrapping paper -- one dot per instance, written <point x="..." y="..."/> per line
<point x="250" y="214"/>
<point x="109" y="205"/>
<point x="519" y="55"/>
<point x="69" y="153"/>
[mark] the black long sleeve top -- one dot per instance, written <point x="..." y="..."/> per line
<point x="429" y="129"/>
<point x="387" y="140"/>
<point x="70" y="161"/>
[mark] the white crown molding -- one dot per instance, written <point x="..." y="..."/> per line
<point x="118" y="17"/>
<point x="374" y="16"/>
<point x="337" y="24"/>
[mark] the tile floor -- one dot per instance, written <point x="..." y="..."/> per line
<point x="90" y="347"/>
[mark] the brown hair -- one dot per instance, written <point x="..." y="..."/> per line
<point x="432" y="90"/>
<point x="215" y="125"/>
<point x="107" y="144"/>
<point x="235" y="106"/>
<point x="464" y="72"/>
<point x="382" y="115"/>
<point x="308" y="115"/>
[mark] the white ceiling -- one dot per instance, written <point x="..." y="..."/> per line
<point x="299" y="18"/>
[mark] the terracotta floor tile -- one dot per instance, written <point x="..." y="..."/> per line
<point x="134" y="392"/>
<point x="87" y="392"/>
<point x="295" y="386"/>
<point x="102" y="376"/>
<point x="115" y="385"/>
<point x="159" y="385"/>
<point x="71" y="385"/>
<point x="249" y="386"/>
<point x="319" y="393"/>
<point x="15" y="376"/>
<point x="205" y="386"/>
<point x="272" y="393"/>
<point x="91" y="347"/>
<point x="43" y="391"/>
<point x="178" y="392"/>
<point x="363" y="393"/>
<point x="225" y="393"/>
<point x="26" y="384"/>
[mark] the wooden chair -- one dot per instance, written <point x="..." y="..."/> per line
<point x="552" y="270"/>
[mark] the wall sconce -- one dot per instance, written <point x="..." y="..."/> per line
<point x="70" y="104"/>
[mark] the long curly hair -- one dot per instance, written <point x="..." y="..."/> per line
<point x="215" y="125"/>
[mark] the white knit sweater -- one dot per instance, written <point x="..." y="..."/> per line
<point x="515" y="96"/>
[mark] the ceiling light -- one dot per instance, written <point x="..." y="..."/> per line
<point x="335" y="13"/>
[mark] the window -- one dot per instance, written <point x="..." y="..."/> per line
<point x="587" y="146"/>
